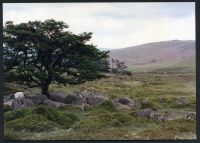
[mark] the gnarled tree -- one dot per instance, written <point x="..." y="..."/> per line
<point x="37" y="53"/>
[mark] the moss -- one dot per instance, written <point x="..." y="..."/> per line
<point x="64" y="119"/>
<point x="31" y="122"/>
<point x="11" y="115"/>
<point x="108" y="105"/>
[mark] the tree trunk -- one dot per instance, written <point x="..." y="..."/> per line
<point x="45" y="90"/>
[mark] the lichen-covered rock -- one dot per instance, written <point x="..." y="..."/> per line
<point x="182" y="101"/>
<point x="127" y="101"/>
<point x="21" y="103"/>
<point x="58" y="97"/>
<point x="51" y="103"/>
<point x="75" y="99"/>
<point x="37" y="99"/>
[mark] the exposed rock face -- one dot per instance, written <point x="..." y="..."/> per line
<point x="182" y="101"/>
<point x="21" y="103"/>
<point x="51" y="103"/>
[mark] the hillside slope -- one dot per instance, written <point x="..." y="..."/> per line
<point x="158" y="55"/>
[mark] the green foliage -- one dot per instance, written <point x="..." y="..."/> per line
<point x="107" y="105"/>
<point x="37" y="53"/>
<point x="31" y="122"/>
<point x="70" y="108"/>
<point x="64" y="119"/>
<point x="12" y="115"/>
<point x="170" y="129"/>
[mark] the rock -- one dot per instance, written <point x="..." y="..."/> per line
<point x="86" y="107"/>
<point x="127" y="101"/>
<point x="58" y="97"/>
<point x="145" y="103"/>
<point x="19" y="95"/>
<point x="190" y="116"/>
<point x="51" y="103"/>
<point x="21" y="103"/>
<point x="146" y="113"/>
<point x="119" y="106"/>
<point x="37" y="99"/>
<point x="95" y="100"/>
<point x="79" y="98"/>
<point x="9" y="103"/>
<point x="182" y="101"/>
<point x="75" y="98"/>
<point x="9" y="97"/>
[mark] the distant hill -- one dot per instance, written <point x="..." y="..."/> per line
<point x="163" y="56"/>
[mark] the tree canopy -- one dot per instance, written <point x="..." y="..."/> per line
<point x="37" y="53"/>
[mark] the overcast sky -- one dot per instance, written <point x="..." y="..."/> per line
<point x="114" y="25"/>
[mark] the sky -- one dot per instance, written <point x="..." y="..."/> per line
<point x="114" y="25"/>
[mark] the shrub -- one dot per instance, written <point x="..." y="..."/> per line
<point x="62" y="118"/>
<point x="31" y="122"/>
<point x="108" y="105"/>
<point x="11" y="115"/>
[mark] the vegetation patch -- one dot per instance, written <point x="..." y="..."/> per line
<point x="31" y="122"/>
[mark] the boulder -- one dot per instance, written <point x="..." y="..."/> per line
<point x="119" y="106"/>
<point x="182" y="101"/>
<point x="58" y="97"/>
<point x="9" y="97"/>
<point x="21" y="103"/>
<point x="19" y="95"/>
<point x="151" y="114"/>
<point x="51" y="103"/>
<point x="95" y="100"/>
<point x="75" y="99"/>
<point x="37" y="99"/>
<point x="146" y="113"/>
<point x="127" y="101"/>
<point x="91" y="98"/>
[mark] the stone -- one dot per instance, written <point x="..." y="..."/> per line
<point x="37" y="99"/>
<point x="75" y="98"/>
<point x="19" y="95"/>
<point x="127" y="101"/>
<point x="182" y="101"/>
<point x="58" y="97"/>
<point x="21" y="103"/>
<point x="51" y="103"/>
<point x="9" y="97"/>
<point x="146" y="113"/>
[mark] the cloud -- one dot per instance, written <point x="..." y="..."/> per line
<point x="114" y="25"/>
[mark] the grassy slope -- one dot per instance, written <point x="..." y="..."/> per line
<point x="186" y="65"/>
<point x="103" y="123"/>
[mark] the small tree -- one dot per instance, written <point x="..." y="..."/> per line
<point x="37" y="53"/>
